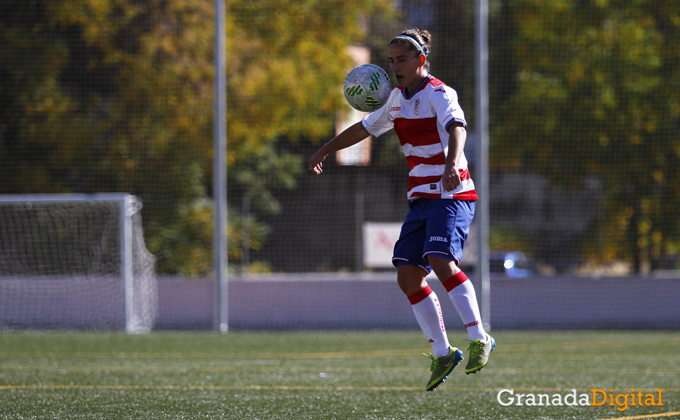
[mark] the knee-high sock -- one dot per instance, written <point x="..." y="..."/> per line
<point x="428" y="313"/>
<point x="462" y="294"/>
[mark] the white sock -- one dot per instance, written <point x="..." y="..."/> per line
<point x="464" y="299"/>
<point x="428" y="313"/>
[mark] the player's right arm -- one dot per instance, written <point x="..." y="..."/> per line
<point x="353" y="135"/>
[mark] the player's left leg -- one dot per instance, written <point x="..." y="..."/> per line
<point x="462" y="294"/>
<point x="448" y="226"/>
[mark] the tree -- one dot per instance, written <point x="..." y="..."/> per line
<point x="116" y="95"/>
<point x="597" y="94"/>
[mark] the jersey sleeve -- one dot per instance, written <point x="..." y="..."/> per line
<point x="378" y="122"/>
<point x="445" y="101"/>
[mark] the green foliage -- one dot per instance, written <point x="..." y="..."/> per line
<point x="597" y="94"/>
<point x="286" y="58"/>
<point x="116" y="95"/>
<point x="505" y="238"/>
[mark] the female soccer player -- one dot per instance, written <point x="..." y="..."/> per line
<point x="430" y="125"/>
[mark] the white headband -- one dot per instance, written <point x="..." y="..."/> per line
<point x="412" y="40"/>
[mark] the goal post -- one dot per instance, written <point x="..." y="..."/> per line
<point x="75" y="261"/>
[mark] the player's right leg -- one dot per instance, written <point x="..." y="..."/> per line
<point x="425" y="305"/>
<point x="427" y="310"/>
<point x="411" y="273"/>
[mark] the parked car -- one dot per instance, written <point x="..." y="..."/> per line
<point x="513" y="264"/>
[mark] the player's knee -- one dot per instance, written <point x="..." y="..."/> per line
<point x="443" y="267"/>
<point x="411" y="279"/>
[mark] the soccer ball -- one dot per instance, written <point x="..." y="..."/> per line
<point x="367" y="87"/>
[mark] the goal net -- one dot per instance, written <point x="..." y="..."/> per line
<point x="75" y="261"/>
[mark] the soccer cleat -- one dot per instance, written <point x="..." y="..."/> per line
<point x="442" y="366"/>
<point x="479" y="354"/>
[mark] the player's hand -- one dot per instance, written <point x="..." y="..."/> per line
<point x="451" y="178"/>
<point x="315" y="162"/>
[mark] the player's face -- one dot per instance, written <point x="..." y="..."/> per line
<point x="408" y="69"/>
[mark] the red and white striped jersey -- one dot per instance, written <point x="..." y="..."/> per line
<point x="421" y="123"/>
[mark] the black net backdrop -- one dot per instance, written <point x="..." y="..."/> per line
<point x="584" y="150"/>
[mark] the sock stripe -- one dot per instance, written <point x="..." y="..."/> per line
<point x="420" y="295"/>
<point x="455" y="280"/>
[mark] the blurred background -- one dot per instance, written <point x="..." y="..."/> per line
<point x="100" y="96"/>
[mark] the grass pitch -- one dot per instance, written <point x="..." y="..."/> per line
<point x="325" y="375"/>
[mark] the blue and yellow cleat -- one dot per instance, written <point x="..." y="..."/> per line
<point x="479" y="354"/>
<point x="442" y="366"/>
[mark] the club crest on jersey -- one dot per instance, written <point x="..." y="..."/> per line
<point x="417" y="109"/>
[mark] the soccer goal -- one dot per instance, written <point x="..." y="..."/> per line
<point x="75" y="261"/>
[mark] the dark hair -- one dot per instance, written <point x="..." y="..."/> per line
<point x="422" y="37"/>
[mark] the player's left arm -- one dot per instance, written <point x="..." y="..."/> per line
<point x="457" y="136"/>
<point x="449" y="113"/>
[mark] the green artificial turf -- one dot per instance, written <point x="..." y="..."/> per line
<point x="325" y="375"/>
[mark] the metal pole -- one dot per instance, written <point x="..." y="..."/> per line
<point x="359" y="231"/>
<point x="220" y="314"/>
<point x="245" y="243"/>
<point x="126" y="263"/>
<point x="482" y="158"/>
<point x="359" y="220"/>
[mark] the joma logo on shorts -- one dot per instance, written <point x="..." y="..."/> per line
<point x="438" y="239"/>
